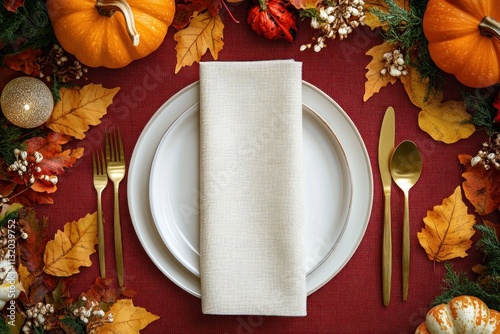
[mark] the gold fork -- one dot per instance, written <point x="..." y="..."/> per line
<point x="116" y="172"/>
<point x="100" y="182"/>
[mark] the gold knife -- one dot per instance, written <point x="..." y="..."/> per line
<point x="385" y="148"/>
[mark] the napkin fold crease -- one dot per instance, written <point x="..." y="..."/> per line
<point x="251" y="182"/>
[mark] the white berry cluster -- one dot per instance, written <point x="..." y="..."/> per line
<point x="36" y="317"/>
<point x="395" y="64"/>
<point x="57" y="63"/>
<point x="90" y="313"/>
<point x="27" y="167"/>
<point x="489" y="155"/>
<point x="335" y="18"/>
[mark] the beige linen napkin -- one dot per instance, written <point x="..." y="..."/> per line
<point x="251" y="206"/>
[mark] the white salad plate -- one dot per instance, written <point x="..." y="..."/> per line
<point x="164" y="209"/>
<point x="174" y="189"/>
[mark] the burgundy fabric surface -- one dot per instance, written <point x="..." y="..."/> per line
<point x="352" y="301"/>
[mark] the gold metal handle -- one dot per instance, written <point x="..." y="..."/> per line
<point x="406" y="247"/>
<point x="118" y="236"/>
<point x="387" y="253"/>
<point x="100" y="236"/>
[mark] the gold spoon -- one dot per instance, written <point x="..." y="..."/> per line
<point x="406" y="166"/>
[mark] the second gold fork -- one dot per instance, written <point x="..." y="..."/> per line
<point x="115" y="159"/>
<point x="100" y="181"/>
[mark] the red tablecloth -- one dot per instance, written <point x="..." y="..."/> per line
<point x="352" y="301"/>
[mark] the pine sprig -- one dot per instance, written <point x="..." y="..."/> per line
<point x="28" y="27"/>
<point x="487" y="286"/>
<point x="404" y="29"/>
<point x="482" y="110"/>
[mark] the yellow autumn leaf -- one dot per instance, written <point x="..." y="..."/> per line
<point x="374" y="79"/>
<point x="446" y="121"/>
<point x="203" y="33"/>
<point x="304" y="4"/>
<point x="127" y="318"/>
<point x="72" y="247"/>
<point x="25" y="277"/>
<point x="448" y="229"/>
<point x="371" y="19"/>
<point x="78" y="109"/>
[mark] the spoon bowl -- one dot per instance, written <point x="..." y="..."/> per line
<point x="406" y="167"/>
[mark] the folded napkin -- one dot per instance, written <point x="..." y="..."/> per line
<point x="251" y="180"/>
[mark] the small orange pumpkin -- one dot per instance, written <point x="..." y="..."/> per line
<point x="110" y="33"/>
<point x="462" y="315"/>
<point x="464" y="39"/>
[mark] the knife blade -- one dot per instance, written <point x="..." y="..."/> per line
<point x="385" y="149"/>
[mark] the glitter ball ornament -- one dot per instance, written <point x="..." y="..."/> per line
<point x="27" y="102"/>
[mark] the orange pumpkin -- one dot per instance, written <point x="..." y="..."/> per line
<point x="110" y="33"/>
<point x="462" y="315"/>
<point x="464" y="39"/>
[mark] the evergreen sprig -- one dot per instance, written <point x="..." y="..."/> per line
<point x="487" y="285"/>
<point x="28" y="27"/>
<point x="483" y="111"/>
<point x="404" y="29"/>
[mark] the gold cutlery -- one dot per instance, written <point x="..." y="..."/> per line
<point x="385" y="148"/>
<point x="115" y="159"/>
<point x="406" y="166"/>
<point x="100" y="181"/>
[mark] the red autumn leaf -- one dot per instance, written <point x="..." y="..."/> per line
<point x="481" y="186"/>
<point x="13" y="5"/>
<point x="6" y="75"/>
<point x="24" y="61"/>
<point x="54" y="158"/>
<point x="32" y="248"/>
<point x="30" y="197"/>
<point x="185" y="11"/>
<point x="7" y="187"/>
<point x="104" y="289"/>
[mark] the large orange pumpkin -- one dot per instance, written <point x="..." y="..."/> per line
<point x="110" y="33"/>
<point x="464" y="39"/>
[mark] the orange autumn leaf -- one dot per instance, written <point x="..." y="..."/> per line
<point x="203" y="33"/>
<point x="78" y="109"/>
<point x="304" y="4"/>
<point x="481" y="186"/>
<point x="448" y="229"/>
<point x="127" y="318"/>
<point x="374" y="79"/>
<point x="446" y="121"/>
<point x="70" y="249"/>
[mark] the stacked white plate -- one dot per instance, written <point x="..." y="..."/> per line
<point x="163" y="188"/>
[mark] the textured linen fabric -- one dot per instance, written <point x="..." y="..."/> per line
<point x="251" y="179"/>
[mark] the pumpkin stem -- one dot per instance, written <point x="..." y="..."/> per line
<point x="263" y="5"/>
<point x="490" y="27"/>
<point x="109" y="7"/>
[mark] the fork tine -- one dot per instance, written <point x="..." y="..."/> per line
<point x="102" y="163"/>
<point x="94" y="167"/>
<point x="120" y="144"/>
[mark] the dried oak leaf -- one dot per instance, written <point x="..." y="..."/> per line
<point x="31" y="249"/>
<point x="13" y="5"/>
<point x="70" y="249"/>
<point x="448" y="229"/>
<point x="127" y="318"/>
<point x="371" y="19"/>
<point x="374" y="79"/>
<point x="481" y="186"/>
<point x="203" y="33"/>
<point x="79" y="108"/>
<point x="443" y="121"/>
<point x="54" y="158"/>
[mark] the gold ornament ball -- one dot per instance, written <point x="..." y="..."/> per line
<point x="27" y="102"/>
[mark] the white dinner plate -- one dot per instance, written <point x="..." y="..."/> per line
<point x="142" y="160"/>
<point x="174" y="189"/>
